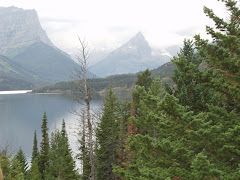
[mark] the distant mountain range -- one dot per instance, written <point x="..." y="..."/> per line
<point x="29" y="59"/>
<point x="26" y="52"/>
<point x="134" y="56"/>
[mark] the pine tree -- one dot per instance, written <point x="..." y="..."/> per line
<point x="44" y="152"/>
<point x="21" y="157"/>
<point x="144" y="80"/>
<point x="61" y="163"/>
<point x="107" y="137"/>
<point x="223" y="55"/>
<point x="17" y="168"/>
<point x="147" y="125"/>
<point x="187" y="79"/>
<point x="35" y="173"/>
<point x="35" y="152"/>
<point x="5" y="164"/>
<point x="164" y="153"/>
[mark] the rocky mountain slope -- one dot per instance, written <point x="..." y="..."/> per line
<point x="134" y="56"/>
<point x="25" y="43"/>
<point x="18" y="29"/>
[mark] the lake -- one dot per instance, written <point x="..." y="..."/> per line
<point x="21" y="114"/>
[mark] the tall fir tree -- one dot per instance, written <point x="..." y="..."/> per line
<point x="61" y="164"/>
<point x="107" y="137"/>
<point x="144" y="80"/>
<point x="35" y="152"/>
<point x="44" y="151"/>
<point x="187" y="79"/>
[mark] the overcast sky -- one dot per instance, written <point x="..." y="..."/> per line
<point x="109" y="23"/>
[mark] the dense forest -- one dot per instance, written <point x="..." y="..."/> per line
<point x="189" y="130"/>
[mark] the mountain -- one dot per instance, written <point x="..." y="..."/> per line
<point x="49" y="64"/>
<point x="9" y="68"/>
<point x="13" y="76"/>
<point x="134" y="56"/>
<point x="26" y="44"/>
<point x="18" y="29"/>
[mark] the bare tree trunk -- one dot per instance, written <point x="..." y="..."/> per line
<point x="85" y="93"/>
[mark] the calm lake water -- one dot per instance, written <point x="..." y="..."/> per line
<point x="21" y="114"/>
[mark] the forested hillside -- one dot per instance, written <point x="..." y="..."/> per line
<point x="125" y="82"/>
<point x="187" y="131"/>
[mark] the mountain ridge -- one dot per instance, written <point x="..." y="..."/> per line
<point x="26" y="44"/>
<point x="18" y="29"/>
<point x="133" y="56"/>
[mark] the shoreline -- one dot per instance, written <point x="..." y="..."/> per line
<point x="15" y="92"/>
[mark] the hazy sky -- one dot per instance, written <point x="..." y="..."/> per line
<point x="109" y="23"/>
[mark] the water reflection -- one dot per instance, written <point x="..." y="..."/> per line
<point x="21" y="114"/>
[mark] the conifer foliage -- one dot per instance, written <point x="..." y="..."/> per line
<point x="44" y="151"/>
<point x="197" y="126"/>
<point x="35" y="152"/>
<point x="61" y="164"/>
<point x="107" y="137"/>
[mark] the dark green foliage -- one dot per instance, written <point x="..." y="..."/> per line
<point x="44" y="151"/>
<point x="163" y="152"/>
<point x="107" y="137"/>
<point x="61" y="164"/>
<point x="17" y="168"/>
<point x="35" y="152"/>
<point x="5" y="164"/>
<point x="34" y="173"/>
<point x="188" y="77"/>
<point x="144" y="80"/>
<point x="223" y="55"/>
<point x="145" y="122"/>
<point x="197" y="133"/>
<point x="21" y="157"/>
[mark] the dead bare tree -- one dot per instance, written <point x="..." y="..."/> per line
<point x="83" y="96"/>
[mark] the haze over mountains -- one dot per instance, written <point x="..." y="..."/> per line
<point x="28" y="58"/>
<point x="134" y="56"/>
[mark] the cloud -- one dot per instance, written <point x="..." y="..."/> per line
<point x="189" y="31"/>
<point x="108" y="23"/>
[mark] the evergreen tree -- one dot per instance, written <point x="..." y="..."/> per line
<point x="17" y="170"/>
<point x="187" y="79"/>
<point x="202" y="143"/>
<point x="223" y="55"/>
<point x="61" y="163"/>
<point x="166" y="152"/>
<point x="148" y="125"/>
<point x="107" y="137"/>
<point x="35" y="173"/>
<point x="21" y="157"/>
<point x="5" y="164"/>
<point x="44" y="152"/>
<point x="35" y="152"/>
<point x="144" y="80"/>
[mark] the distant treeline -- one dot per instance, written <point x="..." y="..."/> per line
<point x="98" y="84"/>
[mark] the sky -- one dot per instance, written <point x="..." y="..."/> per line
<point x="107" y="24"/>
